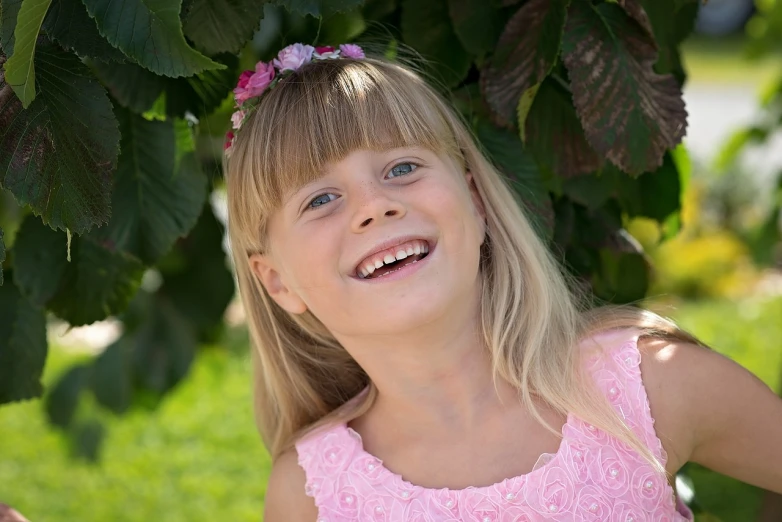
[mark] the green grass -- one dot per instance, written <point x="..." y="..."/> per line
<point x="724" y="61"/>
<point x="198" y="458"/>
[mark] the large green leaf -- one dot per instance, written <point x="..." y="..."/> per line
<point x="58" y="155"/>
<point x="656" y="194"/>
<point x="138" y="89"/>
<point x="163" y="347"/>
<point x="319" y="7"/>
<point x="99" y="282"/>
<point x="477" y="23"/>
<point x="222" y="26"/>
<point x="630" y="114"/>
<point x="96" y="283"/>
<point x="69" y="23"/>
<point x="40" y="257"/>
<point x="525" y="54"/>
<point x="110" y="378"/>
<point x="22" y="346"/>
<point x="507" y="151"/>
<point x="20" y="68"/>
<point x="199" y="257"/>
<point x="150" y="32"/>
<point x="426" y="26"/>
<point x="63" y="399"/>
<point x="153" y="203"/>
<point x="554" y="133"/>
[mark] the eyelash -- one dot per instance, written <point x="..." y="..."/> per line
<point x="319" y="196"/>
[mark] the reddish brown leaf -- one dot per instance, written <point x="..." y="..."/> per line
<point x="630" y="114"/>
<point x="526" y="53"/>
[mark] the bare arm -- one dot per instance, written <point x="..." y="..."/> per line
<point x="285" y="497"/>
<point x="712" y="411"/>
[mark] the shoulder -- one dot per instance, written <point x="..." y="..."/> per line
<point x="285" y="497"/>
<point x="693" y="392"/>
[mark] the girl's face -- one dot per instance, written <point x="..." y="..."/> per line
<point x="382" y="243"/>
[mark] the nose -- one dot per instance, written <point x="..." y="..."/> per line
<point x="376" y="206"/>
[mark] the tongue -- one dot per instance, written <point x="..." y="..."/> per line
<point x="396" y="265"/>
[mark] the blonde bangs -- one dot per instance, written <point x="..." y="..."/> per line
<point x="327" y="109"/>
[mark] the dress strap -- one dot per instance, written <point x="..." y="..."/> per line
<point x="614" y="362"/>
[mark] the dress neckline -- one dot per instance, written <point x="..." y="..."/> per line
<point x="501" y="485"/>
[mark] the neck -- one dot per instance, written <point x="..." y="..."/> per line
<point x="437" y="375"/>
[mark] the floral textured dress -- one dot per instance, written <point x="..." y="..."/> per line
<point x="591" y="477"/>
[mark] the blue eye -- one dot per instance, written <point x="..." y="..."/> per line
<point x="402" y="169"/>
<point x="321" y="200"/>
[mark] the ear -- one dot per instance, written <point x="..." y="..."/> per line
<point x="476" y="197"/>
<point x="265" y="270"/>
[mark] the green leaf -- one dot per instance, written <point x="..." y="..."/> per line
<point x="87" y="439"/>
<point x="70" y="24"/>
<point x="222" y="26"/>
<point x="199" y="257"/>
<point x="153" y="203"/>
<point x="150" y="32"/>
<point x="163" y="347"/>
<point x="98" y="281"/>
<point x="520" y="170"/>
<point x="591" y="190"/>
<point x="318" y="8"/>
<point x="20" y="69"/>
<point x="655" y="195"/>
<point x="22" y="346"/>
<point x="525" y="55"/>
<point x="58" y="155"/>
<point x="138" y="89"/>
<point x="426" y="27"/>
<point x="110" y="379"/>
<point x="630" y="114"/>
<point x="554" y="133"/>
<point x="40" y="257"/>
<point x="63" y="399"/>
<point x="9" y="11"/>
<point x="477" y="23"/>
<point x="623" y="276"/>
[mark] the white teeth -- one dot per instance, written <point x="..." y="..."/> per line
<point x="389" y="259"/>
<point x="410" y="251"/>
<point x="417" y="249"/>
<point x="378" y="263"/>
<point x="401" y="254"/>
<point x="370" y="269"/>
<point x="425" y="248"/>
<point x="364" y="272"/>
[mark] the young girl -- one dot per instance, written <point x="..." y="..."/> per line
<point x="418" y="352"/>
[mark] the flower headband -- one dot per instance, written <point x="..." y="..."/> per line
<point x="252" y="84"/>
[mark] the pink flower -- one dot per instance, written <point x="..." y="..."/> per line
<point x="229" y="137"/>
<point x="244" y="78"/>
<point x="293" y="57"/>
<point x="352" y="51"/>
<point x="236" y="119"/>
<point x="325" y="52"/>
<point x="255" y="84"/>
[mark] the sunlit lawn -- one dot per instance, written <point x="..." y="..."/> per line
<point x="198" y="457"/>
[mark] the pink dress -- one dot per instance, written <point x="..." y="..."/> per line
<point x="591" y="477"/>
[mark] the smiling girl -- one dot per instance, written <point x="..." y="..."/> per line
<point x="418" y="353"/>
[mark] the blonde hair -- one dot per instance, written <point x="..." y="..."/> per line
<point x="531" y="319"/>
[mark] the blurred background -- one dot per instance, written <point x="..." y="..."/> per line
<point x="196" y="456"/>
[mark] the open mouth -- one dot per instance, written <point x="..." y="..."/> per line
<point x="392" y="259"/>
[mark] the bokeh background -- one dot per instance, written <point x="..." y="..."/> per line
<point x="197" y="457"/>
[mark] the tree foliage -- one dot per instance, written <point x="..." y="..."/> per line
<point x="111" y="117"/>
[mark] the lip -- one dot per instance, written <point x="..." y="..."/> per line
<point x="390" y="243"/>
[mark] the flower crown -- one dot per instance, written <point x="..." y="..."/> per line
<point x="252" y="84"/>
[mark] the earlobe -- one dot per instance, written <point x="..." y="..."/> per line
<point x="265" y="270"/>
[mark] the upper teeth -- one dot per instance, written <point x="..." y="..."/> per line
<point x="372" y="263"/>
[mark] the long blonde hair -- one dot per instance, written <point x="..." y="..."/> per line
<point x="531" y="319"/>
